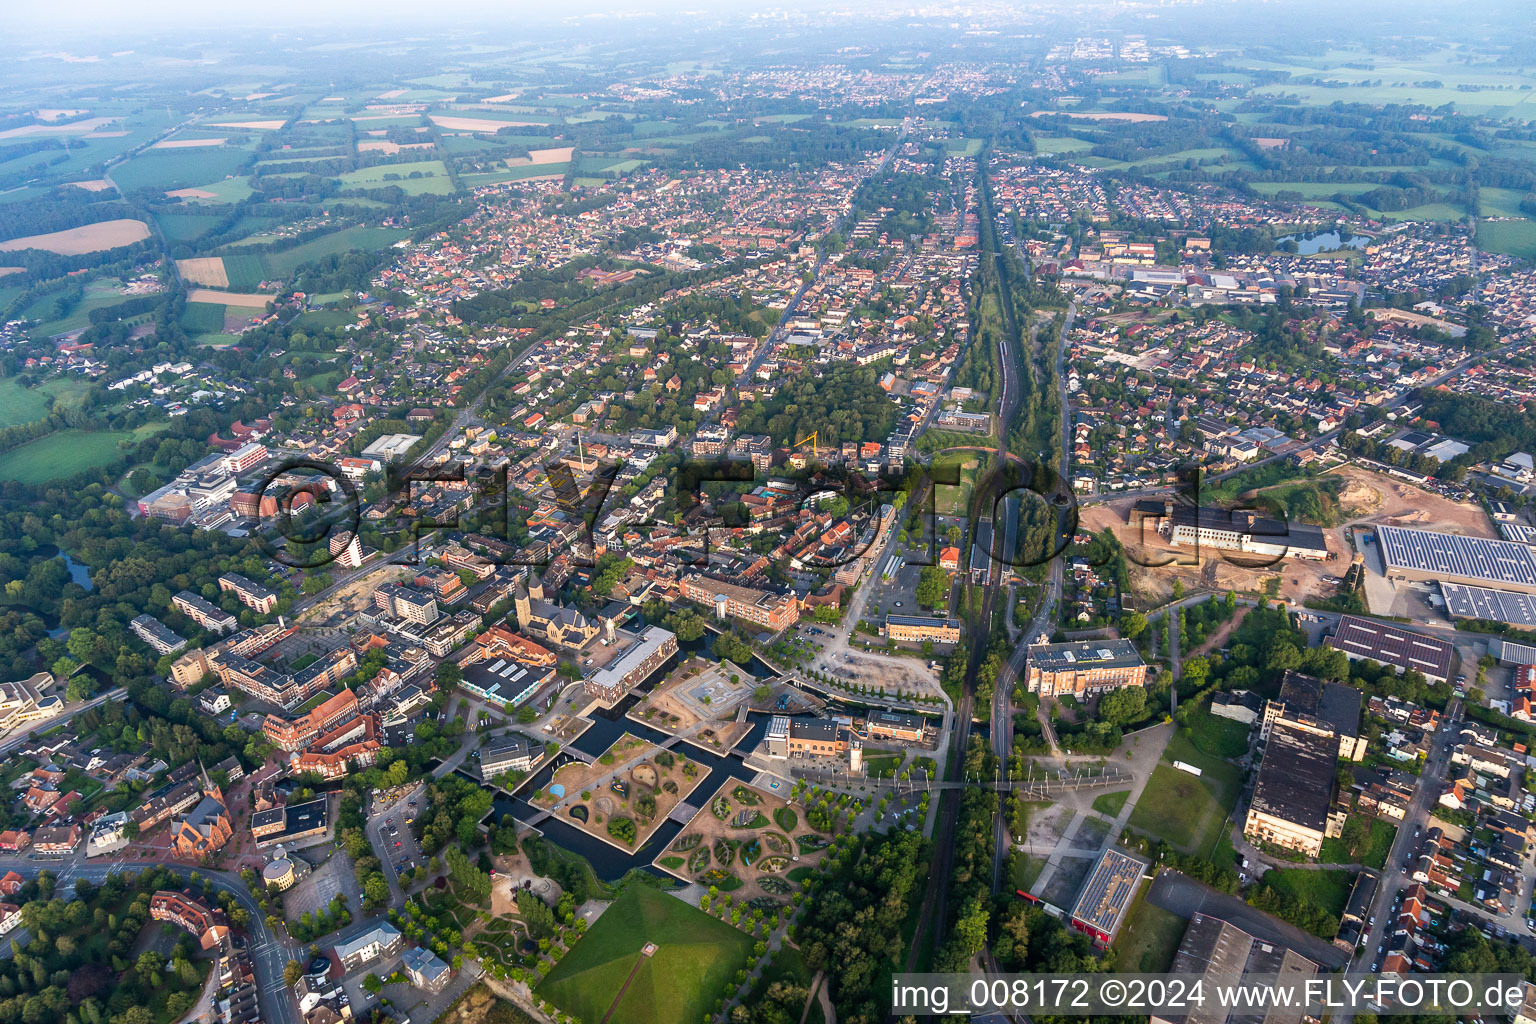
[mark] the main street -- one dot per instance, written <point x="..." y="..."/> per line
<point x="1404" y="850"/>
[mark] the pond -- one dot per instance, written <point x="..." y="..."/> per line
<point x="609" y="862"/>
<point x="1328" y="241"/>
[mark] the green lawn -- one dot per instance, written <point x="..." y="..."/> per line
<point x="23" y="405"/>
<point x="1326" y="889"/>
<point x="1111" y="803"/>
<point x="695" y="957"/>
<point x="1023" y="869"/>
<point x="60" y="455"/>
<point x="1149" y="938"/>
<point x="1373" y="850"/>
<point x="1186" y="810"/>
<point x="1217" y="736"/>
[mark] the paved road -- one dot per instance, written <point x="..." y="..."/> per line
<point x="25" y="734"/>
<point x="1184" y="896"/>
<point x="383" y="847"/>
<point x="1405" y="845"/>
<point x="269" y="955"/>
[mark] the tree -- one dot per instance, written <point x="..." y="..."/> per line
<point x="1133" y="624"/>
<point x="449" y="675"/>
<point x="933" y="587"/>
<point x="292" y="972"/>
<point x="1123" y="706"/>
<point x="372" y="983"/>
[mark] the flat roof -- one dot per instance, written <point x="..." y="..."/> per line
<point x="1448" y="554"/>
<point x="1085" y="654"/>
<point x="1295" y="780"/>
<point x="1109" y="891"/>
<point x="1392" y="645"/>
<point x="1469" y="602"/>
<point x="929" y="622"/>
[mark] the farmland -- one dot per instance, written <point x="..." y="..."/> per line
<point x="168" y="169"/>
<point x="281" y="264"/>
<point x="107" y="234"/>
<point x="413" y="178"/>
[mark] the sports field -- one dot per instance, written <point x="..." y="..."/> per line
<point x="695" y="956"/>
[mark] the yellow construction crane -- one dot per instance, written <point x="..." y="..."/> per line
<point x="811" y="437"/>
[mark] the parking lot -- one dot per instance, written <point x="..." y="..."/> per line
<point x="314" y="892"/>
<point x="393" y="840"/>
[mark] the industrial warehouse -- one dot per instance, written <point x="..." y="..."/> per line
<point x="1426" y="556"/>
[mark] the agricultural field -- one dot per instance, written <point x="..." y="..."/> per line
<point x="281" y="264"/>
<point x="244" y="271"/>
<point x="200" y="318"/>
<point x="1509" y="237"/>
<point x="416" y="178"/>
<point x="186" y="227"/>
<point x="169" y="169"/>
<point x="204" y="270"/>
<point x="52" y="319"/>
<point x="106" y="234"/>
<point x="24" y="405"/>
<point x="607" y="978"/>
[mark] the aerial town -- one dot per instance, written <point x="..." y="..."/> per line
<point x="576" y="523"/>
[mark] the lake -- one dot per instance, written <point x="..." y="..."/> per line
<point x="1328" y="241"/>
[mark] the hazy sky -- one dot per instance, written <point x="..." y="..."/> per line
<point x="56" y="19"/>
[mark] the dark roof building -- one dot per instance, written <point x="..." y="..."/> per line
<point x="1216" y="949"/>
<point x="1387" y="644"/>
<point x="1294" y="789"/>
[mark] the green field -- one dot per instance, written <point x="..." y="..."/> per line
<point x="1060" y="144"/>
<point x="281" y="264"/>
<point x="431" y="176"/>
<point x="99" y="294"/>
<point x="1313" y="189"/>
<point x="186" y="227"/>
<point x="1510" y="237"/>
<point x="23" y="405"/>
<point x="178" y="168"/>
<point x="202" y="318"/>
<point x="225" y="190"/>
<point x="61" y="455"/>
<point x="696" y="955"/>
<point x="1217" y="736"/>
<point x="245" y="271"/>
<point x="1188" y="811"/>
<point x="1373" y="851"/>
<point x="1326" y="889"/>
<point x="1149" y="938"/>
